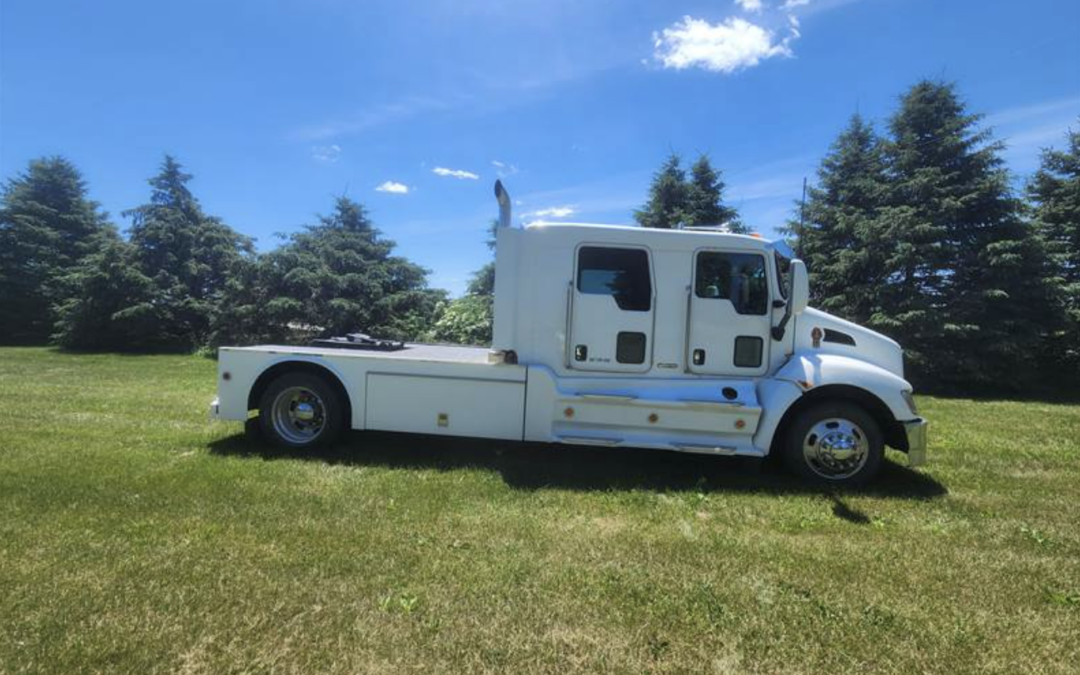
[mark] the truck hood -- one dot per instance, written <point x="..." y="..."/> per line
<point x="870" y="346"/>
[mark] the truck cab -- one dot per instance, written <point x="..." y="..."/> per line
<point x="692" y="340"/>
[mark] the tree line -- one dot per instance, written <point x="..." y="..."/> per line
<point x="183" y="279"/>
<point x="917" y="231"/>
<point x="920" y="234"/>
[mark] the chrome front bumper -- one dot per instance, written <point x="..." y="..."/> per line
<point x="916" y="441"/>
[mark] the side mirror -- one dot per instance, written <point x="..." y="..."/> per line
<point x="799" y="298"/>
<point x="800" y="287"/>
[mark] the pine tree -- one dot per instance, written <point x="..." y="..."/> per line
<point x="704" y="199"/>
<point x="965" y="292"/>
<point x="1055" y="191"/>
<point x="677" y="200"/>
<point x="189" y="255"/>
<point x="109" y="303"/>
<point x="47" y="226"/>
<point x="840" y="238"/>
<point x="337" y="276"/>
<point x="666" y="207"/>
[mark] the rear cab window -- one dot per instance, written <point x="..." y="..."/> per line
<point x="622" y="273"/>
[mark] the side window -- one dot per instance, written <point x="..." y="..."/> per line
<point x="738" y="277"/>
<point x="622" y="273"/>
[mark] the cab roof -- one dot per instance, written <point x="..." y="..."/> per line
<point x="632" y="234"/>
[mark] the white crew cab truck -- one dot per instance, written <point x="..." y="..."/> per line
<point x="692" y="340"/>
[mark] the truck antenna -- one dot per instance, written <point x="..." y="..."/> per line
<point x="503" y="197"/>
<point x="802" y="221"/>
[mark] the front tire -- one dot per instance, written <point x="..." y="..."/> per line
<point x="300" y="411"/>
<point x="835" y="443"/>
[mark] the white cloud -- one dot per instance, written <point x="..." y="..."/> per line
<point x="455" y="173"/>
<point x="326" y="153"/>
<point x="726" y="47"/>
<point x="551" y="212"/>
<point x="751" y="5"/>
<point x="792" y="4"/>
<point x="393" y="187"/>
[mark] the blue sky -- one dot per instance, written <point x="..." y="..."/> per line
<point x="414" y="108"/>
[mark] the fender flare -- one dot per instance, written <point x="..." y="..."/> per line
<point x="809" y="378"/>
<point x="301" y="363"/>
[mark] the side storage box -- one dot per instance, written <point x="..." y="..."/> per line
<point x="445" y="405"/>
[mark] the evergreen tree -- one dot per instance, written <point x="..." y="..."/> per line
<point x="841" y="238"/>
<point x="704" y="199"/>
<point x="666" y="207"/>
<point x="965" y="293"/>
<point x="47" y="226"/>
<point x="336" y="277"/>
<point x="1055" y="190"/>
<point x="676" y="199"/>
<point x="109" y="303"/>
<point x="189" y="255"/>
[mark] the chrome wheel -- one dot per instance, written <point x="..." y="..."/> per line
<point x="836" y="448"/>
<point x="298" y="415"/>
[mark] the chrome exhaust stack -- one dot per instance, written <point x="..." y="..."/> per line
<point x="506" y="291"/>
<point x="503" y="197"/>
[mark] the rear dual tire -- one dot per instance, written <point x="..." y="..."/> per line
<point x="301" y="411"/>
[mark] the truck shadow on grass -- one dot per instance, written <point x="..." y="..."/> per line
<point x="532" y="466"/>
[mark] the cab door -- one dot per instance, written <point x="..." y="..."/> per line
<point x="729" y="322"/>
<point x="612" y="309"/>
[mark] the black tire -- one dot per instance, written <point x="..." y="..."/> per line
<point x="846" y="425"/>
<point x="253" y="431"/>
<point x="292" y="429"/>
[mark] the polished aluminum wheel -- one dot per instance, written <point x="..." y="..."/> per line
<point x="299" y="415"/>
<point x="836" y="448"/>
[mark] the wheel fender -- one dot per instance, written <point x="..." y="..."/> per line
<point x="263" y="377"/>
<point x="805" y="372"/>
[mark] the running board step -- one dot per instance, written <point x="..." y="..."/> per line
<point x="709" y="448"/>
<point x="590" y="440"/>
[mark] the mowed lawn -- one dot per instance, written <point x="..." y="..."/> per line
<point x="137" y="536"/>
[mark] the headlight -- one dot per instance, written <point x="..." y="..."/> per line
<point x="910" y="400"/>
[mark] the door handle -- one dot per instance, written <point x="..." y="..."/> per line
<point x="699" y="357"/>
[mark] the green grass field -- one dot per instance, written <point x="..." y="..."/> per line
<point x="136" y="536"/>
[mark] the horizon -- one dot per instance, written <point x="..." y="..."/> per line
<point x="277" y="110"/>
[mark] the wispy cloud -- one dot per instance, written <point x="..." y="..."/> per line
<point x="1030" y="128"/>
<point x="374" y="117"/>
<point x="792" y="4"/>
<point x="727" y="47"/>
<point x="327" y="154"/>
<point x="1070" y="106"/>
<point x="750" y="5"/>
<point x="550" y="212"/>
<point x="393" y="187"/>
<point x="504" y="169"/>
<point x="461" y="174"/>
